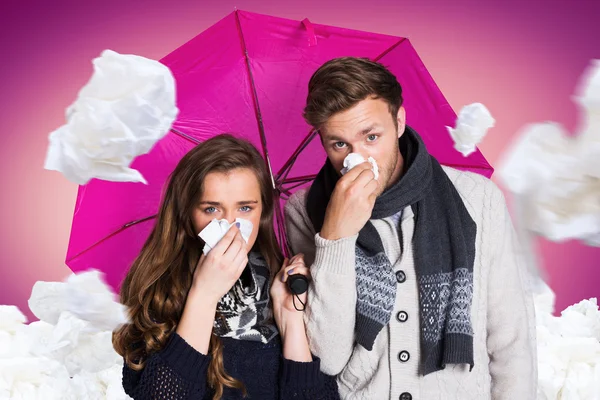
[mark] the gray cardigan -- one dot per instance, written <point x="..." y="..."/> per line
<point x="502" y="313"/>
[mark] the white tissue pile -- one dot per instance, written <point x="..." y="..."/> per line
<point x="472" y="125"/>
<point x="127" y="106"/>
<point x="568" y="349"/>
<point x="217" y="228"/>
<point x="68" y="353"/>
<point x="555" y="176"/>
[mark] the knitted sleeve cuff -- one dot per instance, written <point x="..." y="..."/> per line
<point x="186" y="361"/>
<point x="336" y="256"/>
<point x="301" y="375"/>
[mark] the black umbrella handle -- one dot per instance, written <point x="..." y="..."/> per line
<point x="297" y="283"/>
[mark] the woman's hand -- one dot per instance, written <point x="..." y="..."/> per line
<point x="283" y="299"/>
<point x="290" y="321"/>
<point x="214" y="276"/>
<point x="217" y="272"/>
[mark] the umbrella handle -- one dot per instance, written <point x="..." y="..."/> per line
<point x="312" y="37"/>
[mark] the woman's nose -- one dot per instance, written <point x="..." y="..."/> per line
<point x="230" y="216"/>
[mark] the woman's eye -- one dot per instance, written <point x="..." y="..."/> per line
<point x="246" y="209"/>
<point x="210" y="210"/>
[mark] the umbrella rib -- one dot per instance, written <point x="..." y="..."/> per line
<point x="386" y="51"/>
<point x="185" y="136"/>
<point x="288" y="164"/>
<point x="295" y="185"/>
<point x="282" y="231"/>
<point x="121" y="229"/>
<point x="259" y="120"/>
<point x="302" y="179"/>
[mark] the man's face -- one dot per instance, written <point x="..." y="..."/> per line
<point x="367" y="129"/>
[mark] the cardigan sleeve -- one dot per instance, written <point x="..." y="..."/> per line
<point x="511" y="316"/>
<point x="331" y="305"/>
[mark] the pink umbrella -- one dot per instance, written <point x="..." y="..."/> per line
<point x="248" y="75"/>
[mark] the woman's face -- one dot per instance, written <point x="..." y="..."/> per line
<point x="230" y="195"/>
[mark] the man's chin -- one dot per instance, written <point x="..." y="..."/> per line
<point x="384" y="186"/>
<point x="380" y="190"/>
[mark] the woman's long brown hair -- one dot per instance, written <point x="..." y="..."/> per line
<point x="156" y="286"/>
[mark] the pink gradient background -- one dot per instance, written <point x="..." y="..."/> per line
<point x="521" y="60"/>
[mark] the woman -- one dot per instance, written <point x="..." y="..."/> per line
<point x="222" y="325"/>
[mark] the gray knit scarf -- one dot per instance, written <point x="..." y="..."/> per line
<point x="444" y="252"/>
<point x="244" y="313"/>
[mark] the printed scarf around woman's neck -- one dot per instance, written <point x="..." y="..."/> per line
<point x="244" y="313"/>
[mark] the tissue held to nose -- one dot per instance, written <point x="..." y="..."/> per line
<point x="217" y="228"/>
<point x="354" y="159"/>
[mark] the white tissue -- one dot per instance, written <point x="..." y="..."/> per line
<point x="71" y="358"/>
<point x="84" y="295"/>
<point x="11" y="318"/>
<point x="568" y="349"/>
<point x="354" y="159"/>
<point x="472" y="125"/>
<point x="215" y="231"/>
<point x="557" y="175"/>
<point x="127" y="106"/>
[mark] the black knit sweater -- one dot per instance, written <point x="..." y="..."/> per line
<point x="178" y="372"/>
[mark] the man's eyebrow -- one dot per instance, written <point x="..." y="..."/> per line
<point x="370" y="129"/>
<point x="333" y="136"/>
<point x="365" y="131"/>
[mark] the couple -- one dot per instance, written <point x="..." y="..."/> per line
<point x="417" y="289"/>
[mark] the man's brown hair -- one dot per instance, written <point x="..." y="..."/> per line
<point x="341" y="83"/>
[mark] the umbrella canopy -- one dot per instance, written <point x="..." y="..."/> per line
<point x="248" y="75"/>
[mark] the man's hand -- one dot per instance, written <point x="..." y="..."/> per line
<point x="351" y="203"/>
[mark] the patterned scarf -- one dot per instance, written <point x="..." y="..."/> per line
<point x="444" y="253"/>
<point x="244" y="312"/>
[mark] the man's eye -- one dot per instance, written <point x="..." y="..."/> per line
<point x="339" y="145"/>
<point x="372" y="138"/>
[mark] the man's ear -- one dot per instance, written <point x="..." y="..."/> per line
<point x="401" y="119"/>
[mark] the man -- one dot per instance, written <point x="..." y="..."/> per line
<point x="418" y="290"/>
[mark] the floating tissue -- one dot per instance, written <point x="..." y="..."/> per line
<point x="472" y="125"/>
<point x="556" y="175"/>
<point x="127" y="106"/>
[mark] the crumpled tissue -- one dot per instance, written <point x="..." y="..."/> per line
<point x="127" y="106"/>
<point x="217" y="228"/>
<point x="568" y="349"/>
<point x="84" y="295"/>
<point x="68" y="354"/>
<point x="472" y="124"/>
<point x="556" y="176"/>
<point x="354" y="159"/>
